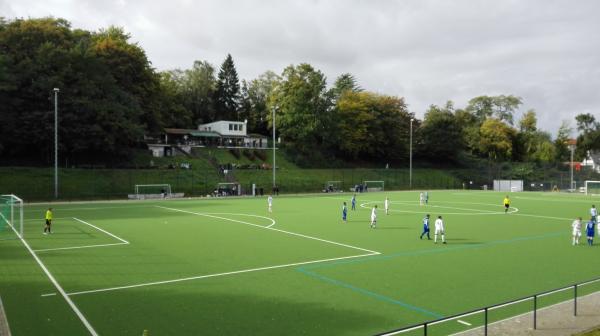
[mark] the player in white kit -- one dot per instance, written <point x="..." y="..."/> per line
<point x="576" y="230"/>
<point x="270" y="202"/>
<point x="374" y="217"/>
<point x="387" y="205"/>
<point x="439" y="229"/>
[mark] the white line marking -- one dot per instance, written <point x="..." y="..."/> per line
<point x="102" y="230"/>
<point x="270" y="228"/>
<point x="216" y="275"/>
<point x="548" y="217"/>
<point x="49" y="294"/>
<point x="463" y="322"/>
<point x="122" y="241"/>
<point x="79" y="247"/>
<point x="485" y="212"/>
<point x="79" y="314"/>
<point x="370" y="253"/>
<point x="526" y="313"/>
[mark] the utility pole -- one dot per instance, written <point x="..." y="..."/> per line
<point x="56" y="90"/>
<point x="410" y="155"/>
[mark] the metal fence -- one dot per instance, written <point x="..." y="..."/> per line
<point x="534" y="299"/>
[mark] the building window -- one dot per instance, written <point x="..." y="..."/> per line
<point x="241" y="128"/>
<point x="231" y="127"/>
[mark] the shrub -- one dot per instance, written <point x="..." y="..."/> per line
<point x="262" y="155"/>
<point x="235" y="152"/>
<point x="247" y="153"/>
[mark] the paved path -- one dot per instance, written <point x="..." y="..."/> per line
<point x="4" y="330"/>
<point x="557" y="320"/>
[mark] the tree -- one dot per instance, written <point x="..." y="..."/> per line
<point x="372" y="126"/>
<point x="199" y="87"/>
<point x="589" y="138"/>
<point x="345" y="82"/>
<point x="586" y="122"/>
<point x="560" y="144"/>
<point x="254" y="101"/>
<point x="528" y="123"/>
<point x="441" y="134"/>
<point x="496" y="139"/>
<point x="228" y="91"/>
<point x="107" y="98"/>
<point x="171" y="103"/>
<point x="501" y="107"/>
<point x="303" y="108"/>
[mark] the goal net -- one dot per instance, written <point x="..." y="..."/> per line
<point x="592" y="188"/>
<point x="11" y="217"/>
<point x="152" y="191"/>
<point x="333" y="186"/>
<point x="228" y="189"/>
<point x="370" y="186"/>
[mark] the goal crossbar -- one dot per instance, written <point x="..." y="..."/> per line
<point x="157" y="189"/>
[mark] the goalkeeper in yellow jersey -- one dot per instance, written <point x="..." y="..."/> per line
<point x="506" y="204"/>
<point x="47" y="228"/>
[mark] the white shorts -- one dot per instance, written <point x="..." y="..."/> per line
<point x="577" y="233"/>
<point x="439" y="230"/>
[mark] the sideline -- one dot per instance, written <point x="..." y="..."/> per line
<point x="62" y="292"/>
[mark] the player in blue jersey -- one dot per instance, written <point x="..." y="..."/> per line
<point x="354" y="202"/>
<point x="589" y="228"/>
<point x="344" y="212"/>
<point x="425" y="228"/>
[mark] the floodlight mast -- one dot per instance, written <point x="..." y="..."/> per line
<point x="56" y="90"/>
<point x="410" y="156"/>
<point x="274" y="183"/>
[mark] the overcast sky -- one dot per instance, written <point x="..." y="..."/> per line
<point x="545" y="51"/>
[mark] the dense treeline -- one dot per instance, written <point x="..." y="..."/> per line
<point x="111" y="96"/>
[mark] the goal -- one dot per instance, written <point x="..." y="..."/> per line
<point x="150" y="191"/>
<point x="228" y="189"/>
<point x="592" y="188"/>
<point x="11" y="217"/>
<point x="370" y="186"/>
<point x="334" y="186"/>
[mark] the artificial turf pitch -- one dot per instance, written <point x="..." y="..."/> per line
<point x="229" y="267"/>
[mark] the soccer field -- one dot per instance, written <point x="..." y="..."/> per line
<point x="229" y="267"/>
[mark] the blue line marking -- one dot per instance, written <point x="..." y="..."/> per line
<point x="431" y="251"/>
<point x="305" y="269"/>
<point x="369" y="293"/>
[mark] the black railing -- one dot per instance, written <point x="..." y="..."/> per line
<point x="485" y="310"/>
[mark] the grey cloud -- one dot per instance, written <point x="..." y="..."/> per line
<point x="428" y="51"/>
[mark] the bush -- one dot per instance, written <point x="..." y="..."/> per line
<point x="262" y="155"/>
<point x="235" y="152"/>
<point x="247" y="153"/>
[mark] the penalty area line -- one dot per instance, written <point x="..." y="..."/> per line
<point x="273" y="229"/>
<point x="146" y="284"/>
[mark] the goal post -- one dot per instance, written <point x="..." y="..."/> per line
<point x="592" y="188"/>
<point x="373" y="186"/>
<point x="334" y="186"/>
<point x="228" y="189"/>
<point x="143" y="191"/>
<point x="11" y="217"/>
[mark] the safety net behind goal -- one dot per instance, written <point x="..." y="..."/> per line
<point x="11" y="217"/>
